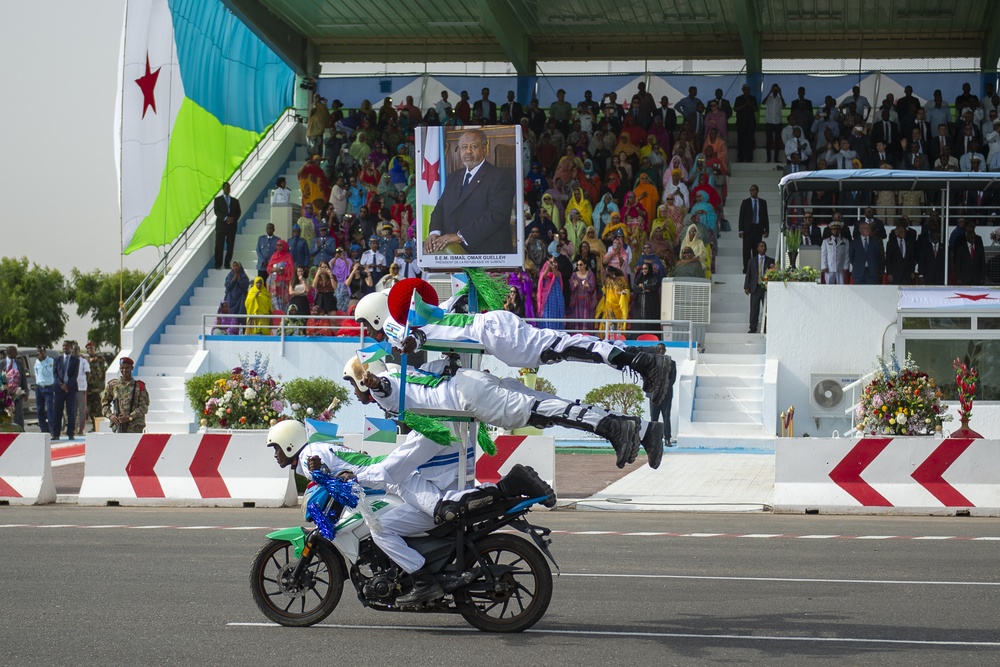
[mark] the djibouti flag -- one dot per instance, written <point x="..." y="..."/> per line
<point x="430" y="170"/>
<point x="319" y="431"/>
<point x="379" y="430"/>
<point x="197" y="90"/>
<point x="374" y="352"/>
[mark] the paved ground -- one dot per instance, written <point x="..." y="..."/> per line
<point x="115" y="586"/>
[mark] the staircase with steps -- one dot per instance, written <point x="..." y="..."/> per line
<point x="729" y="377"/>
<point x="162" y="367"/>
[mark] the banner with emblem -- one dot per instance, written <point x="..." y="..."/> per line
<point x="197" y="90"/>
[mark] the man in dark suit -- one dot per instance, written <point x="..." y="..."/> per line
<point x="811" y="233"/>
<point x="970" y="257"/>
<point x="476" y="205"/>
<point x="667" y="115"/>
<point x="753" y="225"/>
<point x="485" y="108"/>
<point x="753" y="284"/>
<point x="931" y="260"/>
<point x="227" y="214"/>
<point x="511" y="111"/>
<point x="65" y="372"/>
<point x="940" y="141"/>
<point x="866" y="257"/>
<point x="887" y="132"/>
<point x="900" y="257"/>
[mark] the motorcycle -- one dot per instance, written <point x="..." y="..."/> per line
<point x="497" y="582"/>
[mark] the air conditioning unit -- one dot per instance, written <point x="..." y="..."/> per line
<point x="827" y="396"/>
<point x="686" y="299"/>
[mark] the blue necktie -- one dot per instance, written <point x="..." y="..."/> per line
<point x="468" y="177"/>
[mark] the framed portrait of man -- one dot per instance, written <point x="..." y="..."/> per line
<point x="469" y="206"/>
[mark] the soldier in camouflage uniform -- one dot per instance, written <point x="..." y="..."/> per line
<point x="126" y="401"/>
<point x="95" y="380"/>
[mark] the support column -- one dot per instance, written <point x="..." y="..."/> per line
<point x="526" y="83"/>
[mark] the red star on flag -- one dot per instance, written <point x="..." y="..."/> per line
<point x="430" y="175"/>
<point x="147" y="83"/>
<point x="972" y="297"/>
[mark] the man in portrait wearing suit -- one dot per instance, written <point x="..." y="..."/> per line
<point x="866" y="257"/>
<point x="65" y="371"/>
<point x="476" y="205"/>
<point x="753" y="224"/>
<point x="753" y="284"/>
<point x="227" y="214"/>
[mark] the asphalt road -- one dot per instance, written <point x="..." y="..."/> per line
<point x="116" y="586"/>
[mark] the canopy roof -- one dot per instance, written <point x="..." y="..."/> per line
<point x="886" y="179"/>
<point x="308" y="32"/>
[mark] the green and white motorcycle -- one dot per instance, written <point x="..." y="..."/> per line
<point x="499" y="582"/>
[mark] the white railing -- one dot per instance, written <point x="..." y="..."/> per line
<point x="285" y="326"/>
<point x="855" y="391"/>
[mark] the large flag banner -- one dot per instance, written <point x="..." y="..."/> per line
<point x="379" y="430"/>
<point x="197" y="91"/>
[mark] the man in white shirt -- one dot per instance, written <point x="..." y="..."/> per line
<point x="408" y="262"/>
<point x="834" y="256"/>
<point x="861" y="103"/>
<point x="773" y="104"/>
<point x="799" y="145"/>
<point x="443" y="106"/>
<point x="81" y="388"/>
<point x="281" y="194"/>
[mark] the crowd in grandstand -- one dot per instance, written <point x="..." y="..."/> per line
<point x="618" y="196"/>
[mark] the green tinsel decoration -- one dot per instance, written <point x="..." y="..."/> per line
<point x="430" y="427"/>
<point x="485" y="441"/>
<point x="491" y="293"/>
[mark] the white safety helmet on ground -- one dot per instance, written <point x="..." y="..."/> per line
<point x="354" y="371"/>
<point x="373" y="309"/>
<point x="289" y="435"/>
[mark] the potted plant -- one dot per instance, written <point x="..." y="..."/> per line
<point x="966" y="378"/>
<point x="900" y="400"/>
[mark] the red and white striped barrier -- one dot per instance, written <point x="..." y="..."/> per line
<point x="202" y="469"/>
<point x="904" y="475"/>
<point x="26" y="469"/>
<point x="537" y="451"/>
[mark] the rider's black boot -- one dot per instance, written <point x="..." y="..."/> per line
<point x="425" y="589"/>
<point x="654" y="369"/>
<point x="621" y="432"/>
<point x="652" y="442"/>
<point x="524" y="481"/>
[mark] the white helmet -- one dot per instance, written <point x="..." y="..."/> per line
<point x="289" y="435"/>
<point x="373" y="309"/>
<point x="354" y="371"/>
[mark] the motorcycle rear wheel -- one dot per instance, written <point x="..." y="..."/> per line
<point x="521" y="594"/>
<point x="296" y="603"/>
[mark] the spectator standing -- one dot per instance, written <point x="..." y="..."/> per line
<point x="551" y="300"/>
<point x="81" y="387"/>
<point x="280" y="270"/>
<point x="866" y="257"/>
<point x="773" y="106"/>
<point x="753" y="284"/>
<point x="753" y="223"/>
<point x="12" y="363"/>
<point x="746" y="109"/>
<point x="237" y="286"/>
<point x="583" y="294"/>
<point x="95" y="382"/>
<point x="281" y="194"/>
<point x="317" y="123"/>
<point x="323" y="283"/>
<point x="485" y="109"/>
<point x="126" y="400"/>
<point x="834" y="255"/>
<point x="647" y="297"/>
<point x="298" y="248"/>
<point x="44" y="379"/>
<point x="661" y="410"/>
<point x="323" y="247"/>
<point x="227" y="215"/>
<point x="66" y="370"/>
<point x="266" y="244"/>
<point x="258" y="307"/>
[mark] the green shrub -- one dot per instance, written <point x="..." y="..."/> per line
<point x="317" y="393"/>
<point x="623" y="398"/>
<point x="541" y="384"/>
<point x="197" y="389"/>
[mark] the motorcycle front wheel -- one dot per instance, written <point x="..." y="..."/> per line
<point x="296" y="602"/>
<point x="517" y="594"/>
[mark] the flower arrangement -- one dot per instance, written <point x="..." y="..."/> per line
<point x="248" y="399"/>
<point x="995" y="235"/>
<point x="900" y="400"/>
<point x="803" y="274"/>
<point x="10" y="391"/>
<point x="966" y="378"/>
